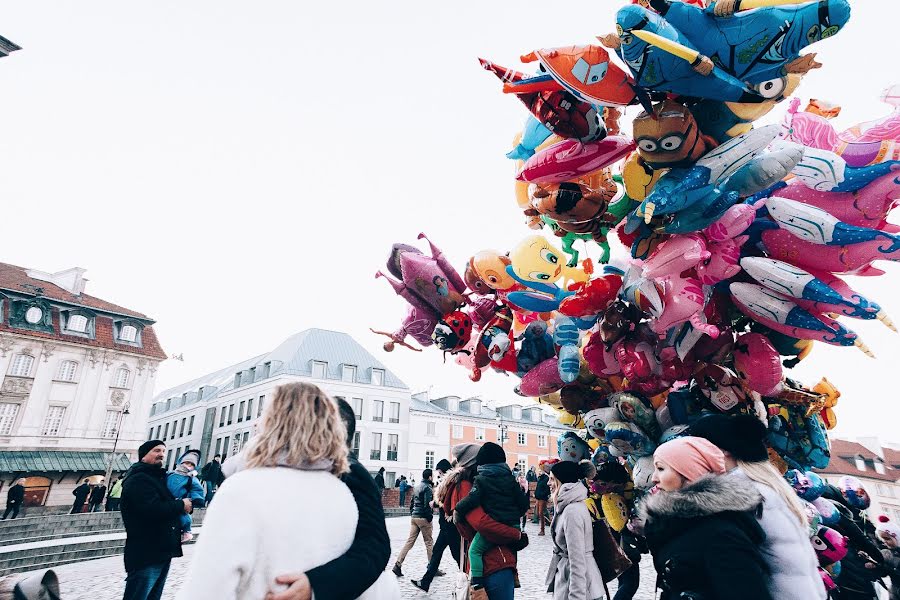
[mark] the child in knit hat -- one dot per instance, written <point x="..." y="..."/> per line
<point x="183" y="483"/>
<point x="888" y="533"/>
<point x="496" y="490"/>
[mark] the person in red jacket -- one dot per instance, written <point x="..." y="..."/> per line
<point x="500" y="573"/>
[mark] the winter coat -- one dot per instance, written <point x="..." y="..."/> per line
<point x="542" y="489"/>
<point x="403" y="485"/>
<point x="248" y="541"/>
<point x="151" y="516"/>
<point x="16" y="495"/>
<point x="379" y="481"/>
<point x="531" y="476"/>
<point x="855" y="581"/>
<point x="892" y="566"/>
<point x="212" y="472"/>
<point x="705" y="539"/>
<point x="371" y="549"/>
<point x="791" y="559"/>
<point x="116" y="491"/>
<point x="498" y="493"/>
<point x="421" y="503"/>
<point x="81" y="493"/>
<point x="573" y="573"/>
<point x="499" y="556"/>
<point x="97" y="494"/>
<point x="186" y="486"/>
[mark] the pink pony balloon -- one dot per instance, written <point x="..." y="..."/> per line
<point x="675" y="255"/>
<point x="758" y="364"/>
<point x="723" y="261"/>
<point x="732" y="223"/>
<point x="683" y="300"/>
<point x="569" y="159"/>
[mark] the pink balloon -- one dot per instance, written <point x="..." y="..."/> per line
<point x="542" y="379"/>
<point x="855" y="259"/>
<point x="569" y="159"/>
<point x="678" y="253"/>
<point x="600" y="361"/>
<point x="723" y="261"/>
<point x="732" y="223"/>
<point x="638" y="360"/>
<point x="868" y="207"/>
<point x="758" y="363"/>
<point x="683" y="300"/>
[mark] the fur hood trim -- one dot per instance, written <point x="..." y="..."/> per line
<point x="707" y="496"/>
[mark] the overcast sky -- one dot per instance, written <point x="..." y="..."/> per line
<point x="239" y="170"/>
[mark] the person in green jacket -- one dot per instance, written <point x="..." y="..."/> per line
<point x="114" y="496"/>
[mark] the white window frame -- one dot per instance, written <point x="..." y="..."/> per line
<point x="78" y="318"/>
<point x="67" y="370"/>
<point x="377" y="376"/>
<point x="541" y="440"/>
<point x="357" y="408"/>
<point x="53" y="421"/>
<point x="131" y="330"/>
<point x="319" y="369"/>
<point x="21" y="365"/>
<point x="357" y="440"/>
<point x="458" y="432"/>
<point x="479" y="434"/>
<point x="109" y="424"/>
<point x="348" y="373"/>
<point x="431" y="428"/>
<point x="378" y="410"/>
<point x="879" y="466"/>
<point x="395" y="413"/>
<point x="117" y="382"/>
<point x="395" y="438"/>
<point x="522" y="463"/>
<point x="377" y="439"/>
<point x="30" y="311"/>
<point x="860" y="463"/>
<point x="429" y="459"/>
<point x="9" y="411"/>
<point x="521" y="438"/>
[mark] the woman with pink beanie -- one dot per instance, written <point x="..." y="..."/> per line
<point x="701" y="528"/>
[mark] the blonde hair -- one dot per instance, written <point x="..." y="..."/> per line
<point x="300" y="425"/>
<point x="763" y="472"/>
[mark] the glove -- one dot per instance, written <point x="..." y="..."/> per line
<point x="519" y="544"/>
<point x="455" y="518"/>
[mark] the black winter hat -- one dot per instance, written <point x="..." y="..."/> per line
<point x="490" y="453"/>
<point x="567" y="471"/>
<point x="148" y="446"/>
<point x="443" y="465"/>
<point x="741" y="435"/>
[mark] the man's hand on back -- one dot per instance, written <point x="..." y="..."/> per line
<point x="299" y="588"/>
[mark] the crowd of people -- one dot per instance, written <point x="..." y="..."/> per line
<point x="721" y="522"/>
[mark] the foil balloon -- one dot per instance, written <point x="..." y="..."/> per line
<point x="758" y="364"/>
<point x="569" y="159"/>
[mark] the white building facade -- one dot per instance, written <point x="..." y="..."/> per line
<point x="218" y="413"/>
<point x="77" y="383"/>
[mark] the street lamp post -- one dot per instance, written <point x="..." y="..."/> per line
<point x="501" y="430"/>
<point x="112" y="455"/>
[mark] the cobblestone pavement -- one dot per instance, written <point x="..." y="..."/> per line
<point x="104" y="579"/>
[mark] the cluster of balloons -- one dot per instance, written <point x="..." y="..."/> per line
<point x="740" y="237"/>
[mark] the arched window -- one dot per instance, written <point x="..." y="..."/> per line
<point x="67" y="370"/>
<point x="128" y="333"/>
<point x="122" y="377"/>
<point x="77" y="323"/>
<point x="21" y="365"/>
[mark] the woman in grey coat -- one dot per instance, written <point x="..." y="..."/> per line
<point x="787" y="550"/>
<point x="573" y="574"/>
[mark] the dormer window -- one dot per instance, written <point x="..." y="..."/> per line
<point x="517" y="412"/>
<point x="128" y="332"/>
<point x="860" y="463"/>
<point x="453" y="404"/>
<point x="77" y="323"/>
<point x="318" y="369"/>
<point x="475" y="407"/>
<point x="879" y="466"/>
<point x="536" y="415"/>
<point x="34" y="315"/>
<point x="31" y="314"/>
<point x="377" y="376"/>
<point x="348" y="373"/>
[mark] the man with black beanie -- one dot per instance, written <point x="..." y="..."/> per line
<point x="152" y="525"/>
<point x="448" y="537"/>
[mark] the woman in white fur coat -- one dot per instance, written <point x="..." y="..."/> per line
<point x="287" y="511"/>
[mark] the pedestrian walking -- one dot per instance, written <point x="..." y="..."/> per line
<point x="542" y="495"/>
<point x="81" y="494"/>
<point x="448" y="536"/>
<point x="379" y="481"/>
<point x="531" y="476"/>
<point x="420" y="523"/>
<point x="573" y="573"/>
<point x="15" y="496"/>
<point x="788" y="553"/>
<point x="367" y="556"/>
<point x="308" y="516"/>
<point x="500" y="563"/>
<point x="95" y="500"/>
<point x="151" y="517"/>
<point x="701" y="528"/>
<point x="403" y="486"/>
<point x="114" y="495"/>
<point x="183" y="483"/>
<point x="523" y="483"/>
<point x="212" y="476"/>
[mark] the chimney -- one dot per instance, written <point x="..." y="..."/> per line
<point x="72" y="280"/>
<point x="871" y="443"/>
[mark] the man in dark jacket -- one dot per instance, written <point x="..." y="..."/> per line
<point x="212" y="476"/>
<point x="448" y="537"/>
<point x="151" y="517"/>
<point x="422" y="514"/>
<point x="95" y="500"/>
<point x="541" y="496"/>
<point x="371" y="548"/>
<point x="379" y="480"/>
<point x="14" y="498"/>
<point x="81" y="494"/>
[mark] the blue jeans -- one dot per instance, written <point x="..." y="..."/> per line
<point x="500" y="585"/>
<point x="146" y="583"/>
<point x="402" y="498"/>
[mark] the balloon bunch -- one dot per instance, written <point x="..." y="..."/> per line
<point x="739" y="237"/>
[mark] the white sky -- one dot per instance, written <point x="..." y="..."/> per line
<point x="238" y="171"/>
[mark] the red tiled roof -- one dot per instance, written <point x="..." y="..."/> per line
<point x="12" y="278"/>
<point x="843" y="455"/>
<point x="892" y="457"/>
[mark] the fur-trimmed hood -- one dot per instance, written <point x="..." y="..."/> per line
<point x="708" y="496"/>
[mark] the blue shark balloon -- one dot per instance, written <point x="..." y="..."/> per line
<point x="534" y="134"/>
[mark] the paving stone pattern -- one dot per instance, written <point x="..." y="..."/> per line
<point x="104" y="579"/>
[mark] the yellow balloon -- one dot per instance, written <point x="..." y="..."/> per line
<point x="594" y="443"/>
<point x="638" y="179"/>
